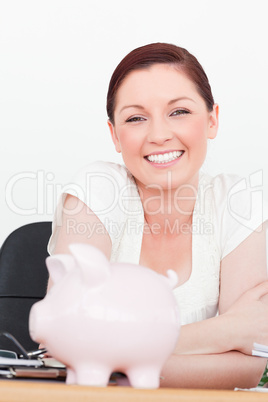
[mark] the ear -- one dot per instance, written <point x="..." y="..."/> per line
<point x="213" y="122"/>
<point x="92" y="262"/>
<point x="58" y="265"/>
<point x="114" y="136"/>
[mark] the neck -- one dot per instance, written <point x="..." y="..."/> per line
<point x="169" y="210"/>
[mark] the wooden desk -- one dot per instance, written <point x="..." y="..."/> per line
<point x="41" y="391"/>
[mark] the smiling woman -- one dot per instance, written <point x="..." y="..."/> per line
<point x="161" y="211"/>
<point x="152" y="121"/>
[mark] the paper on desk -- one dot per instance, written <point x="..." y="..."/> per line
<point x="5" y="372"/>
<point x="51" y="362"/>
<point x="257" y="389"/>
<point x="260" y="350"/>
<point x="5" y="361"/>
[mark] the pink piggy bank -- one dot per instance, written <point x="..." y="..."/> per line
<point x="101" y="317"/>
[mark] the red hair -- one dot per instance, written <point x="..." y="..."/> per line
<point x="164" y="53"/>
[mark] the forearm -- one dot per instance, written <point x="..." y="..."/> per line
<point x="244" y="323"/>
<point x="214" y="335"/>
<point x="217" y="371"/>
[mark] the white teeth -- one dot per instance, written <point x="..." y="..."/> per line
<point x="164" y="158"/>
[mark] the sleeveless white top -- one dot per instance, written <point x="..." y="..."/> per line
<point x="224" y="215"/>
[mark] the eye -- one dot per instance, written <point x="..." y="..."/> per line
<point x="135" y="119"/>
<point x="179" y="112"/>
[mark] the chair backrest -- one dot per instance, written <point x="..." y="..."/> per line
<point x="23" y="280"/>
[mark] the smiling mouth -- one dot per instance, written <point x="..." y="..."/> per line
<point x="164" y="158"/>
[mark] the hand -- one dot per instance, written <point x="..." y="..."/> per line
<point x="249" y="318"/>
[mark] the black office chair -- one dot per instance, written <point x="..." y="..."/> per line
<point x="23" y="280"/>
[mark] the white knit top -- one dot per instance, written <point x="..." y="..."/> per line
<point x="224" y="215"/>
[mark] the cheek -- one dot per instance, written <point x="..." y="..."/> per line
<point x="129" y="141"/>
<point x="196" y="132"/>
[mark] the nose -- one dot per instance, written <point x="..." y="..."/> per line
<point x="159" y="133"/>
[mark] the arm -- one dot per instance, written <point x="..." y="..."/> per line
<point x="82" y="226"/>
<point x="216" y="371"/>
<point x="243" y="311"/>
<point x="208" y="354"/>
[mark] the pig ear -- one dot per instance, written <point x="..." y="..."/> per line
<point x="58" y="265"/>
<point x="172" y="278"/>
<point x="93" y="263"/>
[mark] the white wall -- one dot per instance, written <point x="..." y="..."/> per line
<point x="56" y="60"/>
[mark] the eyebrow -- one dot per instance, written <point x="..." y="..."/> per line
<point x="169" y="103"/>
<point x="179" y="99"/>
<point x="128" y="106"/>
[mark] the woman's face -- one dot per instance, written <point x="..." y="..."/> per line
<point x="161" y="126"/>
